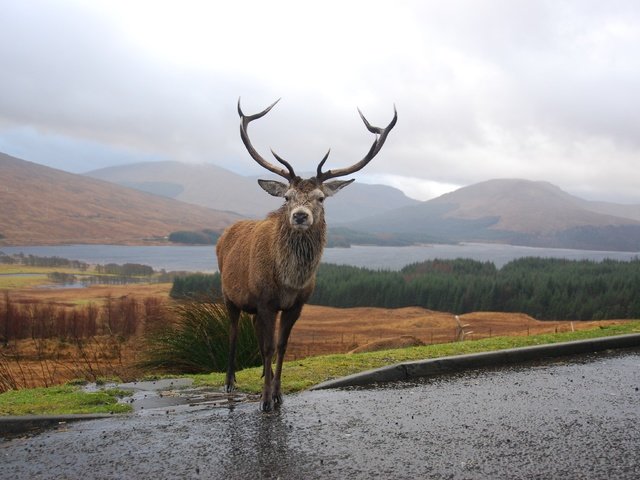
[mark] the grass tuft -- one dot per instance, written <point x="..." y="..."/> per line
<point x="199" y="341"/>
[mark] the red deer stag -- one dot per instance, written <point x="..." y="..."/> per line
<point x="269" y="266"/>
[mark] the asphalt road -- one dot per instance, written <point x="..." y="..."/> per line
<point x="575" y="418"/>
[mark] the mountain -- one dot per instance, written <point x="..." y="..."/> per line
<point x="215" y="187"/>
<point x="199" y="184"/>
<point x="519" y="212"/>
<point x="615" y="209"/>
<point x="42" y="205"/>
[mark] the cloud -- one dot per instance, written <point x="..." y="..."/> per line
<point x="484" y="89"/>
<point x="71" y="154"/>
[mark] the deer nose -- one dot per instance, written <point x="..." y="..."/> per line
<point x="300" y="217"/>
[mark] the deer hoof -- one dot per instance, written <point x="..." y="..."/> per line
<point x="266" y="406"/>
<point x="228" y="388"/>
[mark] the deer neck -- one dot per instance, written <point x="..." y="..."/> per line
<point x="299" y="254"/>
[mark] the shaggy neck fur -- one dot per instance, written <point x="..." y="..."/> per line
<point x="299" y="252"/>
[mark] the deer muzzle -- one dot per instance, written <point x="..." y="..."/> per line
<point x="301" y="218"/>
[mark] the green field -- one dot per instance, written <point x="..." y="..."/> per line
<point x="11" y="276"/>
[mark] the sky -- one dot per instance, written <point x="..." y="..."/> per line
<point x="541" y="90"/>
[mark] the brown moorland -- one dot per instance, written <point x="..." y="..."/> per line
<point x="44" y="206"/>
<point x="320" y="330"/>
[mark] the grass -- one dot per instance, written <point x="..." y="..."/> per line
<point x="9" y="282"/>
<point x="302" y="374"/>
<point x="63" y="399"/>
<point x="11" y="269"/>
<point x="297" y="375"/>
<point x="39" y="275"/>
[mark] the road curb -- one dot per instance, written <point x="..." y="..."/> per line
<point x="15" y="425"/>
<point x="441" y="366"/>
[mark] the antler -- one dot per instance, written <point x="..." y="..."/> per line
<point x="289" y="174"/>
<point x="381" y="136"/>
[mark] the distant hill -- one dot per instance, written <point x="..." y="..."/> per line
<point x="215" y="187"/>
<point x="513" y="211"/>
<point x="42" y="205"/>
<point x="200" y="184"/>
<point x="608" y="208"/>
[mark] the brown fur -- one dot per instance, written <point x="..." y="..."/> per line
<point x="272" y="263"/>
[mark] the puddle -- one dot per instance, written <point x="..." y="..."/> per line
<point x="172" y="394"/>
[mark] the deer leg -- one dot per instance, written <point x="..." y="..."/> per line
<point x="265" y="322"/>
<point x="287" y="320"/>
<point x="234" y="316"/>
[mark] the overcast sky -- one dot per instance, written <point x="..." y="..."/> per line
<point x="542" y="90"/>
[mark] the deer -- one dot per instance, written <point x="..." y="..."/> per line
<point x="268" y="267"/>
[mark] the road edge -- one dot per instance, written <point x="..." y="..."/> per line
<point x="24" y="424"/>
<point x="440" y="366"/>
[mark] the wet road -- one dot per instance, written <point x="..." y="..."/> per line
<point x="566" y="419"/>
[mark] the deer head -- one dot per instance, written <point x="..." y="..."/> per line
<point x="304" y="197"/>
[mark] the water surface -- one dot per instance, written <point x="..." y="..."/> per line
<point x="203" y="258"/>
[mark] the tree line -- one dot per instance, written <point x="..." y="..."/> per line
<point x="200" y="237"/>
<point x="37" y="261"/>
<point x="196" y="285"/>
<point x="545" y="288"/>
<point x="127" y="269"/>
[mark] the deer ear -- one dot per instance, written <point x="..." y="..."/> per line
<point x="277" y="189"/>
<point x="331" y="188"/>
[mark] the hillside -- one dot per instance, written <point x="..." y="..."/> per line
<point x="215" y="187"/>
<point x="524" y="206"/>
<point x="199" y="184"/>
<point x="514" y="211"/>
<point x="608" y="208"/>
<point x="41" y="205"/>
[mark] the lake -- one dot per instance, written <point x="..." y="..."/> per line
<point x="203" y="258"/>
